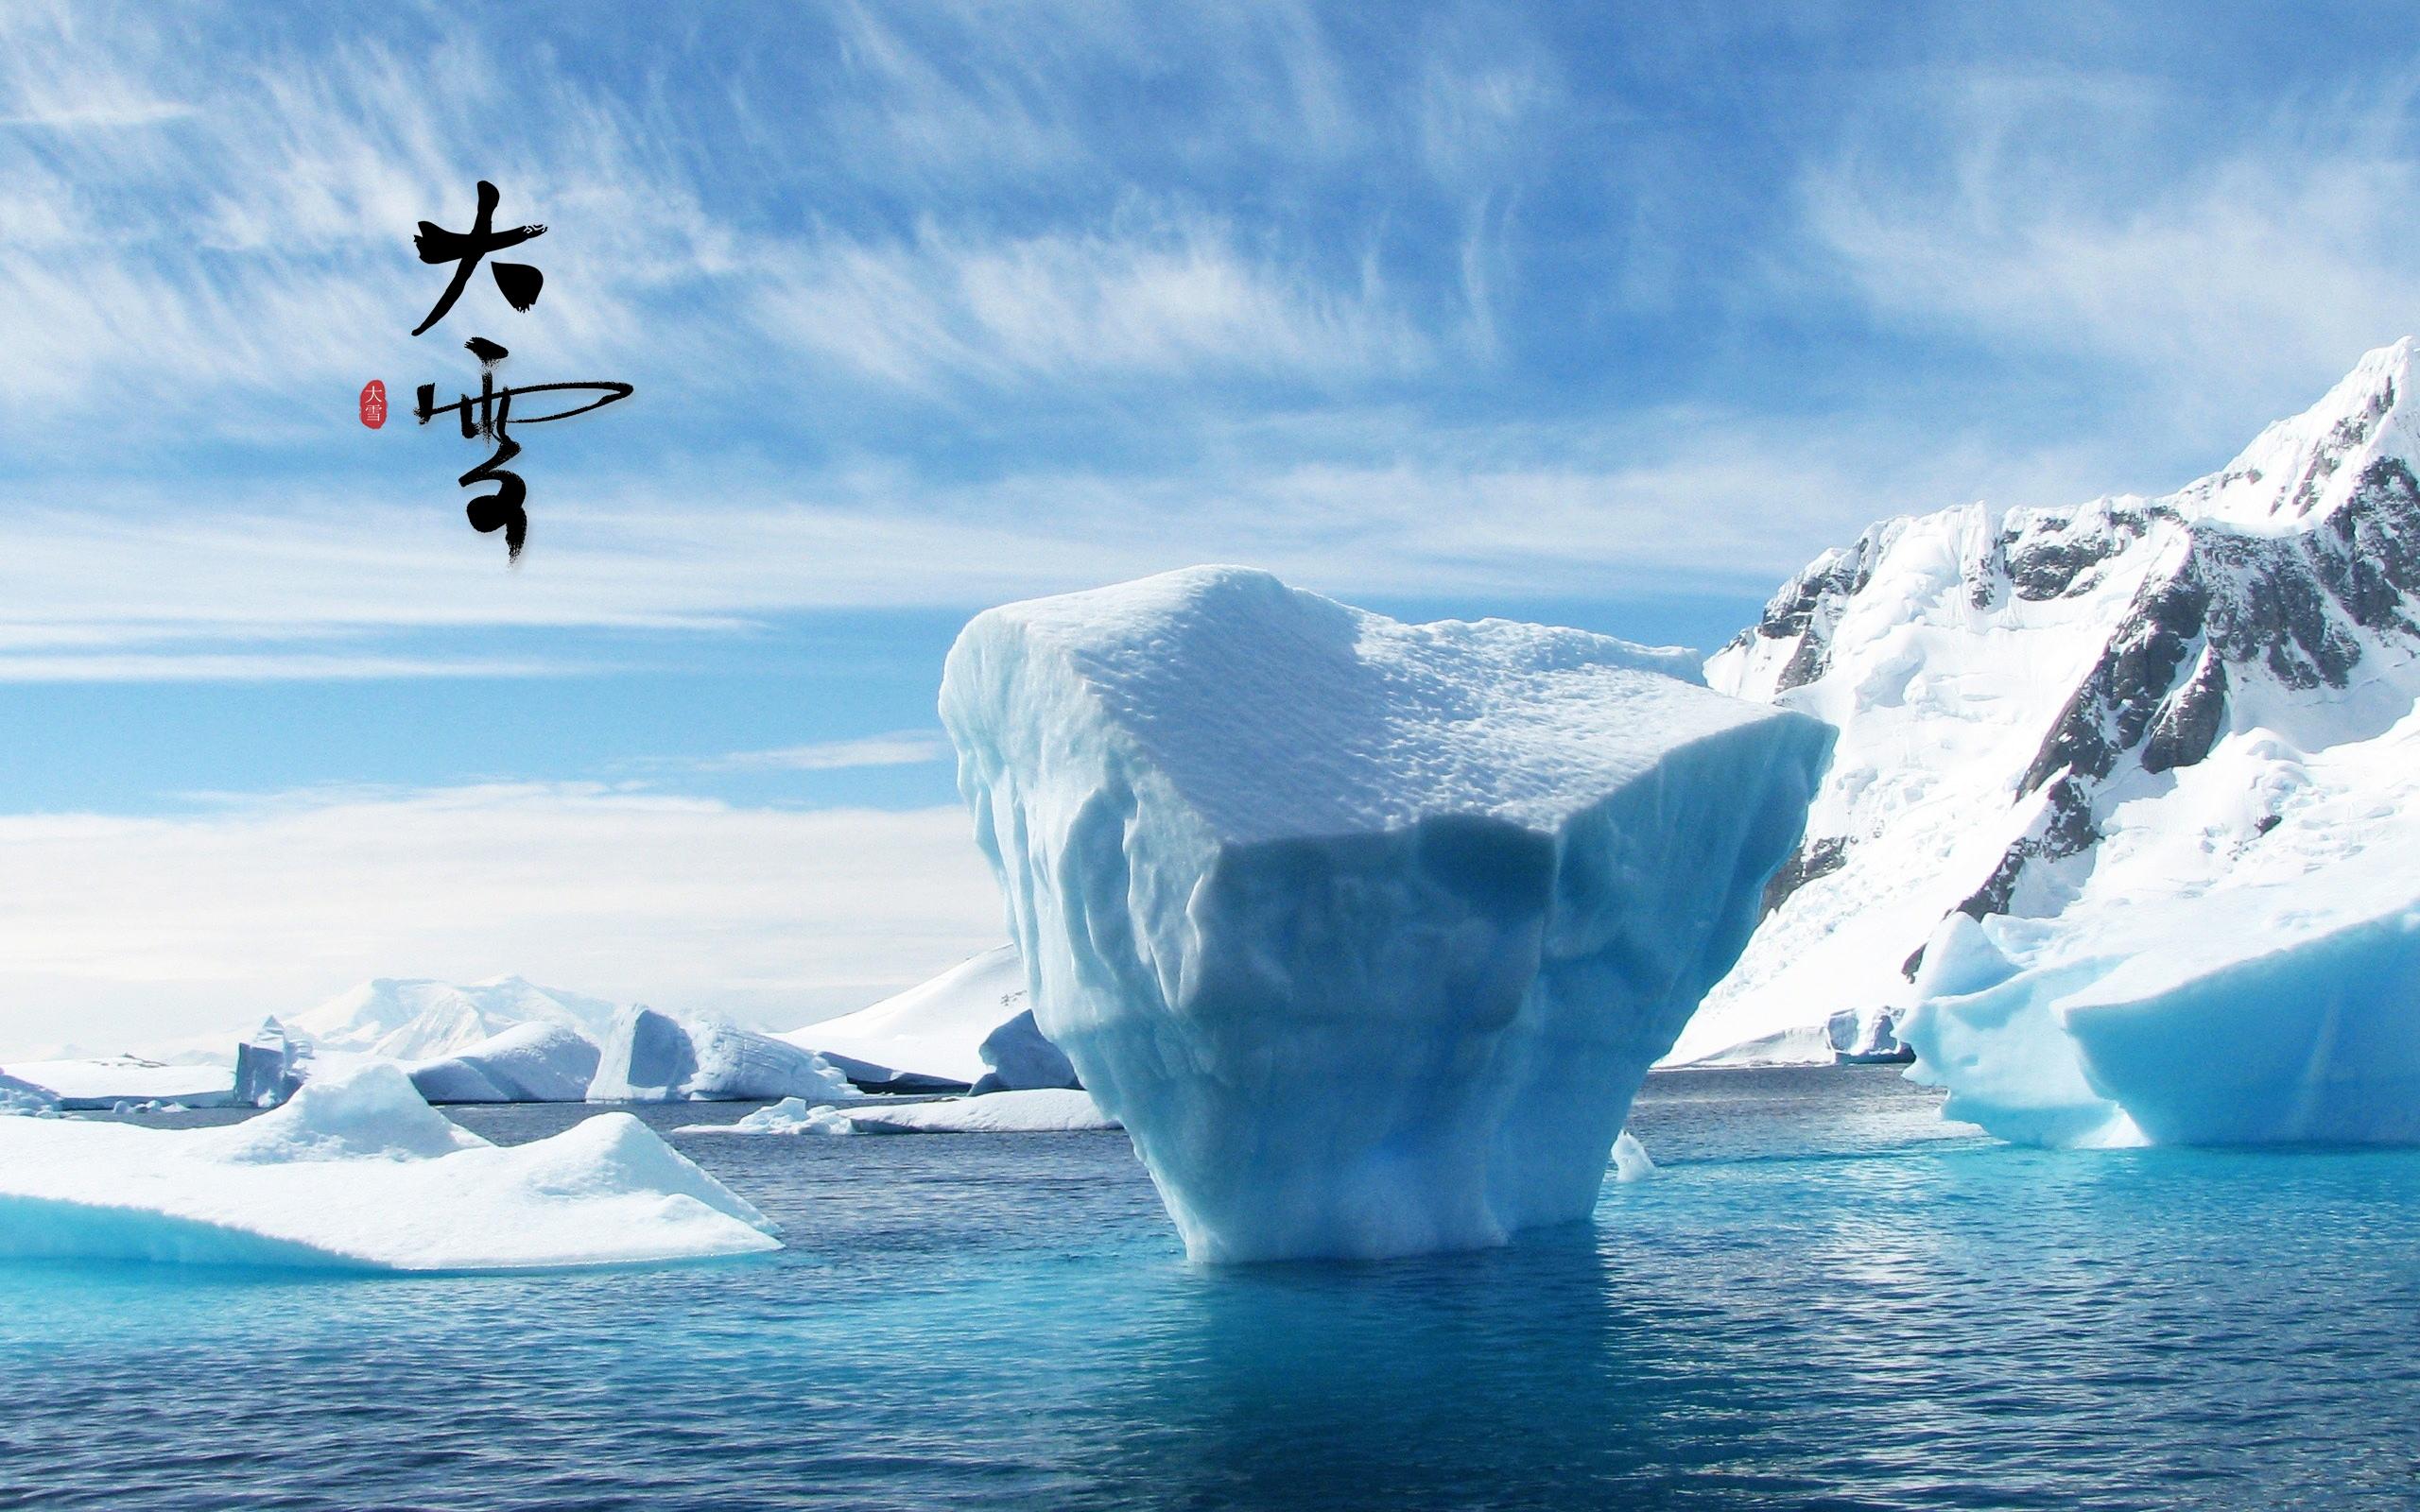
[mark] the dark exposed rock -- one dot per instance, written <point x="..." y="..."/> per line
<point x="2189" y="723"/>
<point x="2047" y="564"/>
<point x="1816" y="858"/>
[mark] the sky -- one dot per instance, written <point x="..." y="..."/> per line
<point x="1604" y="316"/>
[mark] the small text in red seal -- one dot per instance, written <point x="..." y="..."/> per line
<point x="374" y="403"/>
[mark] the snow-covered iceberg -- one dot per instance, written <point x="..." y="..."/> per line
<point x="528" y="1063"/>
<point x="1022" y="1058"/>
<point x="2277" y="1011"/>
<point x="656" y="1057"/>
<point x="105" y="1082"/>
<point x="1043" y="1111"/>
<point x="357" y="1172"/>
<point x="931" y="1036"/>
<point x="271" y="1066"/>
<point x="1366" y="932"/>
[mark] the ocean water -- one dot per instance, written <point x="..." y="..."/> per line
<point x="1827" y="1297"/>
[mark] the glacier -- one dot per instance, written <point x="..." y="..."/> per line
<point x="2100" y="770"/>
<point x="533" y="1062"/>
<point x="1366" y="931"/>
<point x="657" y="1058"/>
<point x="356" y="1172"/>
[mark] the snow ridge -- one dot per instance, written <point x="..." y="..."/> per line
<point x="2047" y="712"/>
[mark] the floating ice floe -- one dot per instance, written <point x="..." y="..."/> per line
<point x="1366" y="932"/>
<point x="1050" y="1110"/>
<point x="357" y="1171"/>
<point x="102" y="1082"/>
<point x="528" y="1063"/>
<point x="791" y="1115"/>
<point x="656" y="1057"/>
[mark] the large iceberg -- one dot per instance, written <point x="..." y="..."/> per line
<point x="357" y="1172"/>
<point x="1366" y="932"/>
<point x="528" y="1063"/>
<point x="930" y="1038"/>
<point x="2283" y="1009"/>
<point x="656" y="1057"/>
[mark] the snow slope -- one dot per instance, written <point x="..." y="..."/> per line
<point x="416" y="1019"/>
<point x="1366" y="932"/>
<point x="2160" y="730"/>
<point x="357" y="1172"/>
<point x="930" y="1036"/>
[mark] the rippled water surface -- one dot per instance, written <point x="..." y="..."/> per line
<point x="1826" y="1298"/>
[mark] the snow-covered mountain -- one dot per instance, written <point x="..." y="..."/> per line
<point x="2059" y="715"/>
<point x="412" y="1019"/>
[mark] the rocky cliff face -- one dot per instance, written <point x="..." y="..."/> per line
<point x="2042" y="706"/>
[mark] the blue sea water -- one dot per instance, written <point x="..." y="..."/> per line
<point x="1826" y="1299"/>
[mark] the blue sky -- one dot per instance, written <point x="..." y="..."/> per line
<point x="1609" y="316"/>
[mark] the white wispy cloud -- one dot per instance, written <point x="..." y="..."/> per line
<point x="120" y="929"/>
<point x="1152" y="297"/>
<point x="1678" y="500"/>
<point x="2056" y="213"/>
<point x="900" y="748"/>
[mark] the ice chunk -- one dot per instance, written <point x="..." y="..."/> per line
<point x="2276" y="1013"/>
<point x="270" y="1065"/>
<point x="105" y="1082"/>
<point x="1045" y="1111"/>
<point x="357" y="1172"/>
<point x="1022" y="1061"/>
<point x="527" y="1063"/>
<point x="655" y="1057"/>
<point x="929" y="1036"/>
<point x="1366" y="931"/>
<point x="791" y="1115"/>
<point x="1630" y="1158"/>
